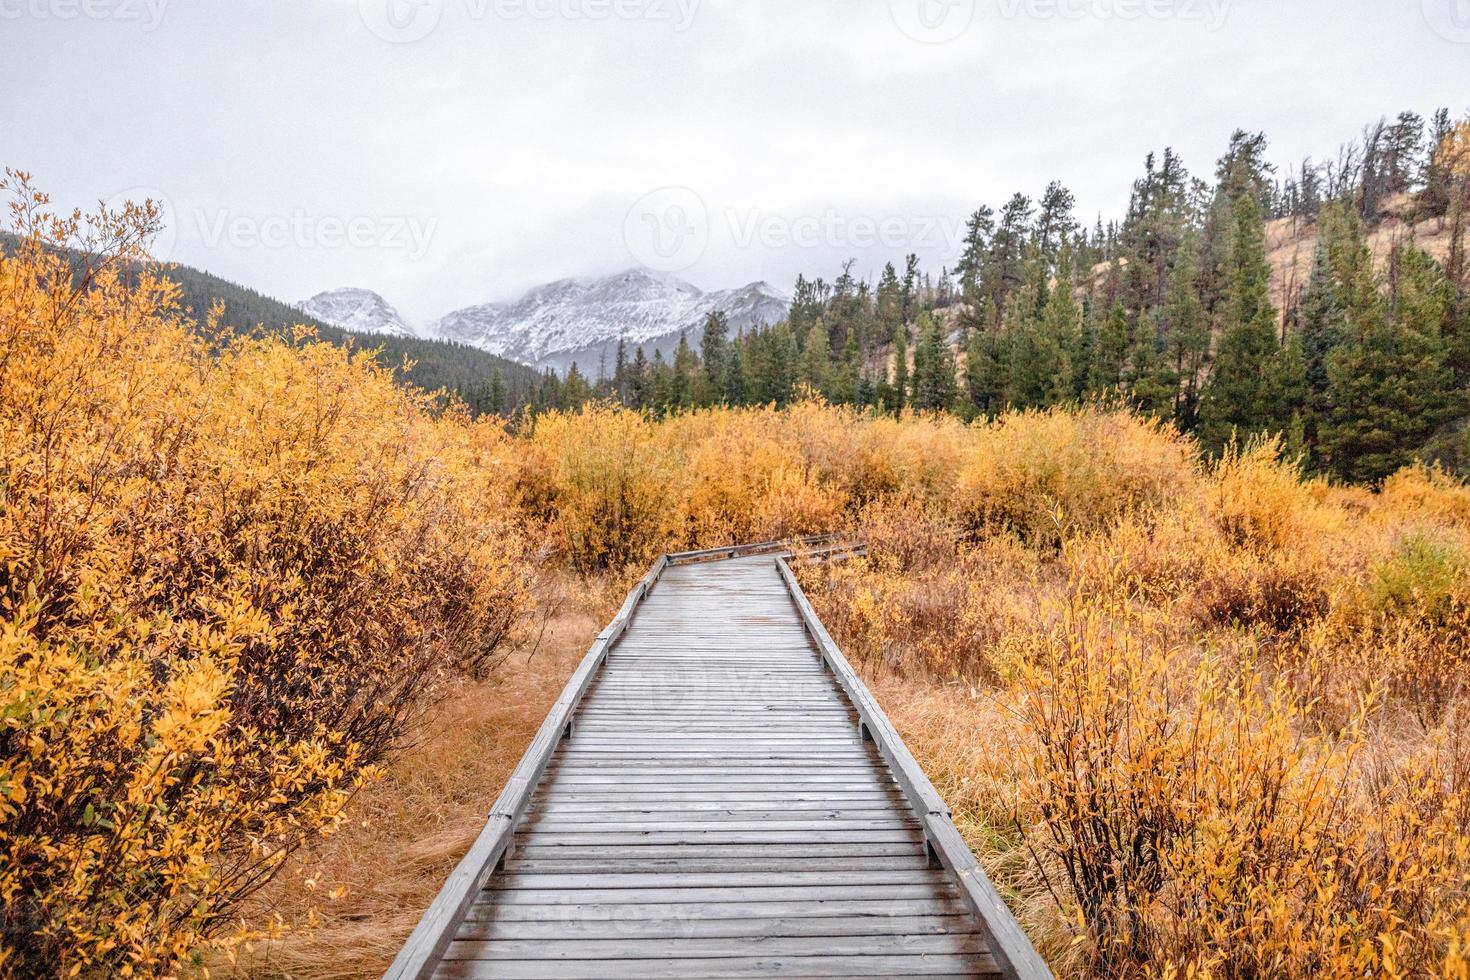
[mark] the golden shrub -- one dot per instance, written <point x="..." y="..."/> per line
<point x="228" y="578"/>
<point x="609" y="488"/>
<point x="1047" y="475"/>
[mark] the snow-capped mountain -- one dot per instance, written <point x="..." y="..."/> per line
<point x="582" y="320"/>
<point x="359" y="310"/>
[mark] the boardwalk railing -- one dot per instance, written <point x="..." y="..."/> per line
<point x="1008" y="943"/>
<point x="1009" y="947"/>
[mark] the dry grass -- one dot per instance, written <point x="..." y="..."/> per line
<point x="406" y="833"/>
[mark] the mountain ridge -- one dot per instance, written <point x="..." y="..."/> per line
<point x="358" y="310"/>
<point x="578" y="319"/>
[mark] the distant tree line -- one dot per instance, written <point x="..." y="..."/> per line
<point x="1362" y="363"/>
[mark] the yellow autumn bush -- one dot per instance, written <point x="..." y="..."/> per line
<point x="1046" y="474"/>
<point x="230" y="574"/>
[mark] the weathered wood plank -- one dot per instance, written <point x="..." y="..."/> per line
<point x="685" y="912"/>
<point x="959" y="922"/>
<point x="923" y="944"/>
<point x="695" y="969"/>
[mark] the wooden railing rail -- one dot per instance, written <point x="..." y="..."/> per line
<point x="1008" y="942"/>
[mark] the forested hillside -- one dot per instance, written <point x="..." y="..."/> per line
<point x="484" y="381"/>
<point x="1327" y="301"/>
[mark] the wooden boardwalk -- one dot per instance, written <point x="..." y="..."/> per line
<point x="713" y="797"/>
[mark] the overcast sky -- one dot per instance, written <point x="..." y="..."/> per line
<point x="448" y="152"/>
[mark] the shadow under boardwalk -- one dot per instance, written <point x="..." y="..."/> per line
<point x="715" y="812"/>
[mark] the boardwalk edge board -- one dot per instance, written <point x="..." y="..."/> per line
<point x="431" y="940"/>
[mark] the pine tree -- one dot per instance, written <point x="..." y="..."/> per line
<point x="1323" y="328"/>
<point x="934" y="381"/>
<point x="1109" y="351"/>
<point x="816" y="360"/>
<point x="575" y="390"/>
<point x="496" y="396"/>
<point x="909" y="291"/>
<point x="733" y="390"/>
<point x="686" y="375"/>
<point x="1152" y="379"/>
<point x="977" y="246"/>
<point x="1186" y="331"/>
<point x="660" y="384"/>
<point x="713" y="349"/>
<point x="621" y="388"/>
<point x="890" y="300"/>
<point x="1388" y="384"/>
<point x="986" y="373"/>
<point x="1243" y="396"/>
<point x="900" y="368"/>
<point x="639" y="381"/>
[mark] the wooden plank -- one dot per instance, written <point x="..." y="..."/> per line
<point x="638" y="852"/>
<point x="685" y="912"/>
<point x="716" y="835"/>
<point x="695" y="969"/>
<point x="725" y="893"/>
<point x="923" y="944"/>
<point x="856" y="879"/>
<point x="568" y="828"/>
<point x="690" y="927"/>
<point x="662" y="865"/>
<point x="714" y="811"/>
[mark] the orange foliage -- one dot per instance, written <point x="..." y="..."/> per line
<point x="229" y="577"/>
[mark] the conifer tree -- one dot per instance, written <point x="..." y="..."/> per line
<point x="686" y="375"/>
<point x="1109" y="351"/>
<point x="1186" y="330"/>
<point x="733" y="390"/>
<point x="1243" y="396"/>
<point x="1389" y="383"/>
<point x="713" y="349"/>
<point x="816" y="360"/>
<point x="900" y="368"/>
<point x="1323" y="328"/>
<point x="639" y="381"/>
<point x="934" y="368"/>
<point x="986" y="372"/>
<point x="496" y="400"/>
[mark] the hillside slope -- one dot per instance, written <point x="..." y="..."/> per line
<point x="436" y="364"/>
